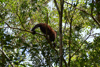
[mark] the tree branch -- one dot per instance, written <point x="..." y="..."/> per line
<point x="66" y="17"/>
<point x="57" y="6"/>
<point x="19" y="29"/>
<point x="65" y="62"/>
<point x="60" y="32"/>
<point x="7" y="57"/>
<point x="85" y="12"/>
<point x="22" y="30"/>
<point x="20" y="20"/>
<point x="95" y="20"/>
<point x="82" y="43"/>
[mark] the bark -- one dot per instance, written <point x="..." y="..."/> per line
<point x="60" y="31"/>
<point x="60" y="12"/>
<point x="70" y="42"/>
<point x="98" y="12"/>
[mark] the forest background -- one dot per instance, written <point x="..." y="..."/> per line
<point x="77" y="23"/>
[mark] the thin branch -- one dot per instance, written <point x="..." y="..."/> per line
<point x="66" y="17"/>
<point x="60" y="32"/>
<point x="21" y="30"/>
<point x="84" y="12"/>
<point x="65" y="62"/>
<point x="80" y="46"/>
<point x="51" y="45"/>
<point x="77" y="8"/>
<point x="20" y="20"/>
<point x="17" y="29"/>
<point x="70" y="36"/>
<point x="95" y="20"/>
<point x="7" y="57"/>
<point x="57" y="6"/>
<point x="82" y="43"/>
<point x="95" y="34"/>
<point x="64" y="29"/>
<point x="19" y="17"/>
<point x="31" y="32"/>
<point x="7" y="24"/>
<point x="92" y="8"/>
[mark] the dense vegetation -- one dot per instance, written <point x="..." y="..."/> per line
<point x="77" y="23"/>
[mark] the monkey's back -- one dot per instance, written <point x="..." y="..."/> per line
<point x="46" y="29"/>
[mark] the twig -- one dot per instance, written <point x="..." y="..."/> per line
<point x="66" y="17"/>
<point x="85" y="12"/>
<point x="20" y="20"/>
<point x="7" y="57"/>
<point x="36" y="33"/>
<point x="77" y="8"/>
<point x="7" y="24"/>
<point x="19" y="17"/>
<point x="95" y="20"/>
<point x="57" y="6"/>
<point x="80" y="46"/>
<point x="82" y="43"/>
<point x="65" y="62"/>
<point x="22" y="30"/>
<point x="17" y="29"/>
<point x="70" y="36"/>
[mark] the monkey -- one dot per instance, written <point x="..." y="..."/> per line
<point x="47" y="30"/>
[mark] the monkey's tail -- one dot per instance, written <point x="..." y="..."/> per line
<point x="36" y="26"/>
<point x="33" y="29"/>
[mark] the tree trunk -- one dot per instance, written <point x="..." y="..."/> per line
<point x="60" y="11"/>
<point x="98" y="10"/>
<point x="60" y="31"/>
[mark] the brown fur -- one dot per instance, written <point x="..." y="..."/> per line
<point x="46" y="29"/>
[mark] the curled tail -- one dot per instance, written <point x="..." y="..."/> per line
<point x="33" y="29"/>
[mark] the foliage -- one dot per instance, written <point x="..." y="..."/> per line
<point x="19" y="48"/>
